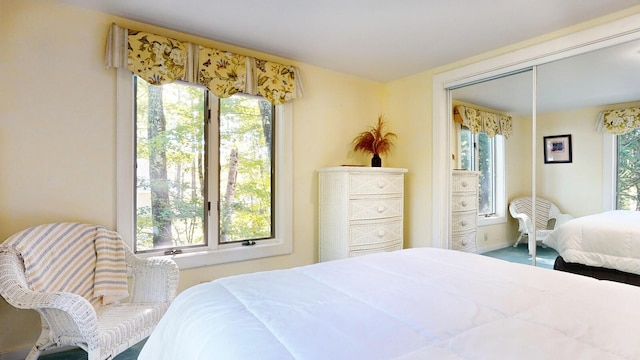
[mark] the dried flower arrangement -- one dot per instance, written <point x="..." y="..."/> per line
<point x="375" y="141"/>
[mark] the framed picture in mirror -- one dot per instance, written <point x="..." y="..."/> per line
<point x="557" y="149"/>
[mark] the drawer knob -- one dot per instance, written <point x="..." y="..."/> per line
<point x="380" y="208"/>
<point x="465" y="242"/>
<point x="381" y="233"/>
<point x="464" y="203"/>
<point x="463" y="222"/>
<point x="464" y="183"/>
<point x="380" y="184"/>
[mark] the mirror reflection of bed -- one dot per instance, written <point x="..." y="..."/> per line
<point x="571" y="94"/>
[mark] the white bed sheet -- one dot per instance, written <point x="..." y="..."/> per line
<point x="610" y="239"/>
<point x="410" y="304"/>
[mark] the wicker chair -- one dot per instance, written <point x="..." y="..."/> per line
<point x="520" y="209"/>
<point x="69" y="319"/>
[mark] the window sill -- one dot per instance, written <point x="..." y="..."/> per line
<point x="491" y="220"/>
<point x="264" y="248"/>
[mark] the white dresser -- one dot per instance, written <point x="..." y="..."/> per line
<point x="360" y="211"/>
<point x="464" y="210"/>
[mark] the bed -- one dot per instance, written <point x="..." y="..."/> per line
<point x="423" y="303"/>
<point x="605" y="246"/>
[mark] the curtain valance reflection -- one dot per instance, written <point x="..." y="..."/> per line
<point x="620" y="121"/>
<point x="483" y="121"/>
<point x="162" y="60"/>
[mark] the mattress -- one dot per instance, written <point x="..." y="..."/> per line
<point x="421" y="303"/>
<point x="609" y="240"/>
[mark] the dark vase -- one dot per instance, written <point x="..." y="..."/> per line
<point x="376" y="161"/>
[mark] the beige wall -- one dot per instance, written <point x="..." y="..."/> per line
<point x="57" y="136"/>
<point x="408" y="107"/>
<point x="576" y="188"/>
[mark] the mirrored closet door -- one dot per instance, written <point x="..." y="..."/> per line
<point x="575" y="162"/>
<point x="491" y="135"/>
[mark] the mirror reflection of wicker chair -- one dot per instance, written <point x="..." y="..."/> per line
<point x="59" y="269"/>
<point x="548" y="217"/>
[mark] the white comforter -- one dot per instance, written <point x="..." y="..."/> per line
<point x="610" y="239"/>
<point x="411" y="304"/>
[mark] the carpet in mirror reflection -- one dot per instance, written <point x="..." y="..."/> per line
<point x="545" y="256"/>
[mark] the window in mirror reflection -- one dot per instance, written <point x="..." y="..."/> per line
<point x="628" y="171"/>
<point x="478" y="153"/>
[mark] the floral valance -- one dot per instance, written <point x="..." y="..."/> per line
<point x="620" y="121"/>
<point x="157" y="59"/>
<point x="222" y="72"/>
<point x="161" y="60"/>
<point x="483" y="121"/>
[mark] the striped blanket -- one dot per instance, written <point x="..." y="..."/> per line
<point x="83" y="259"/>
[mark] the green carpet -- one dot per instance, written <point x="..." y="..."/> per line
<point x="79" y="354"/>
<point x="545" y="256"/>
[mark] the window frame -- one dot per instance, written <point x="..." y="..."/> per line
<point x="476" y="158"/>
<point x="609" y="171"/>
<point x="499" y="155"/>
<point x="213" y="253"/>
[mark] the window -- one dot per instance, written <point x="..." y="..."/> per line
<point x="628" y="171"/>
<point x="245" y="154"/>
<point x="171" y="178"/>
<point x="203" y="179"/>
<point x="479" y="152"/>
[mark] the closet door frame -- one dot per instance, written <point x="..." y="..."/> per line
<point x="597" y="37"/>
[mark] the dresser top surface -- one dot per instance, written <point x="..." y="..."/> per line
<point x="364" y="169"/>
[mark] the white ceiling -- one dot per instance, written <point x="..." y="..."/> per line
<point x="384" y="40"/>
<point x="598" y="78"/>
<point x="381" y="40"/>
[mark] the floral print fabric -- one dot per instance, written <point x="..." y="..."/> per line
<point x="161" y="60"/>
<point x="157" y="59"/>
<point x="222" y="72"/>
<point x="484" y="121"/>
<point x="472" y="119"/>
<point x="275" y="82"/>
<point x="621" y="121"/>
<point x="490" y="123"/>
<point x="505" y="125"/>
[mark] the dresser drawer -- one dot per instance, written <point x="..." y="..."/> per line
<point x="373" y="250"/>
<point x="368" y="209"/>
<point x="464" y="213"/>
<point x="464" y="202"/>
<point x="463" y="183"/>
<point x="464" y="241"/>
<point x="464" y="221"/>
<point x="360" y="211"/>
<point x="377" y="233"/>
<point x="367" y="184"/>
